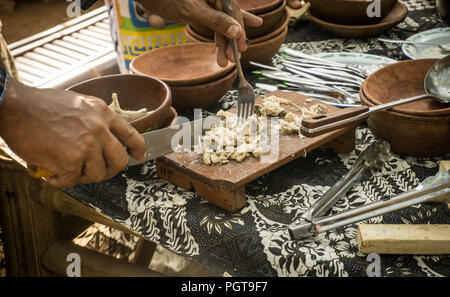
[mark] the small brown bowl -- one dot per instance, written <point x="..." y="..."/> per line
<point x="258" y="6"/>
<point x="402" y="80"/>
<point x="193" y="36"/>
<point x="275" y="30"/>
<point x="203" y="95"/>
<point x="134" y="92"/>
<point x="181" y="64"/>
<point x="261" y="52"/>
<point x="349" y="12"/>
<point x="418" y="136"/>
<point x="270" y="19"/>
<point x="420" y="128"/>
<point x="394" y="17"/>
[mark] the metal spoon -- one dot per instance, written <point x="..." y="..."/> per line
<point x="436" y="84"/>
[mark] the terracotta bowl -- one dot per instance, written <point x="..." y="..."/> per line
<point x="275" y="30"/>
<point x="421" y="128"/>
<point x="258" y="6"/>
<point x="261" y="52"/>
<point x="202" y="95"/>
<point x="349" y="12"/>
<point x="270" y="18"/>
<point x="402" y="80"/>
<point x="181" y="64"/>
<point x="134" y="92"/>
<point x="394" y="17"/>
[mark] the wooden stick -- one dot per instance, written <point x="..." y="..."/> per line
<point x="404" y="239"/>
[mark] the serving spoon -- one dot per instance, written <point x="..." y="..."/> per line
<point x="436" y="84"/>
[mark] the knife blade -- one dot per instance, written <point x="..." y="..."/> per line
<point x="167" y="140"/>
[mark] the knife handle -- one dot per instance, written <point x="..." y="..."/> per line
<point x="37" y="172"/>
<point x="347" y="117"/>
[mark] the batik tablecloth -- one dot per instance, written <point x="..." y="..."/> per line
<point x="254" y="241"/>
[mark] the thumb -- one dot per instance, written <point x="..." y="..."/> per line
<point x="219" y="22"/>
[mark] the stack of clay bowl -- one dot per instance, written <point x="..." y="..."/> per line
<point x="357" y="18"/>
<point x="190" y="70"/>
<point x="265" y="41"/>
<point x="420" y="128"/>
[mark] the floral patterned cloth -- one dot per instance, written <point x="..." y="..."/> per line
<point x="254" y="240"/>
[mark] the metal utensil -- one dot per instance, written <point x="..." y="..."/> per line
<point x="433" y="189"/>
<point x="443" y="48"/>
<point x="323" y="98"/>
<point x="246" y="95"/>
<point x="370" y="159"/>
<point x="312" y="64"/>
<point x="436" y="84"/>
<point x="297" y="54"/>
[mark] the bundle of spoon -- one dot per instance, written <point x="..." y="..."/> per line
<point x="328" y="81"/>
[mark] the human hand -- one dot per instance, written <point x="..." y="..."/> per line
<point x="295" y="3"/>
<point x="76" y="137"/>
<point x="207" y="13"/>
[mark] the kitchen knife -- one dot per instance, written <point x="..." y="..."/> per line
<point x="158" y="143"/>
<point x="163" y="141"/>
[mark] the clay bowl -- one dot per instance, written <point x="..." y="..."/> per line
<point x="394" y="17"/>
<point x="258" y="6"/>
<point x="202" y="95"/>
<point x="134" y="92"/>
<point x="275" y="30"/>
<point x="401" y="80"/>
<point x="264" y="51"/>
<point x="181" y="64"/>
<point x="421" y="128"/>
<point x="349" y="12"/>
<point x="260" y="52"/>
<point x="271" y="19"/>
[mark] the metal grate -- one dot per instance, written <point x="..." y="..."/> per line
<point x="68" y="53"/>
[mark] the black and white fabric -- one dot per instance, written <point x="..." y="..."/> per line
<point x="254" y="240"/>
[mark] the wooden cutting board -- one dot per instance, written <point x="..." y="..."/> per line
<point x="224" y="185"/>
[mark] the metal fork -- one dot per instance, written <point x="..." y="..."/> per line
<point x="246" y="95"/>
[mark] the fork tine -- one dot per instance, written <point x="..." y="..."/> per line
<point x="239" y="112"/>
<point x="247" y="112"/>
<point x="252" y="107"/>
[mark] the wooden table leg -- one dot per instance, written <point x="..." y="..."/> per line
<point x="28" y="227"/>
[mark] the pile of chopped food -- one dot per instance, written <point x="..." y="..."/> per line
<point x="229" y="140"/>
<point x="128" y="115"/>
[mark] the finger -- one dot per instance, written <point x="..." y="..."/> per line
<point x="218" y="21"/>
<point x="116" y="157"/>
<point x="68" y="177"/>
<point x="221" y="45"/>
<point x="229" y="53"/>
<point x="128" y="136"/>
<point x="250" y="19"/>
<point x="241" y="41"/>
<point x="94" y="169"/>
<point x="156" y="21"/>
<point x="295" y="3"/>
